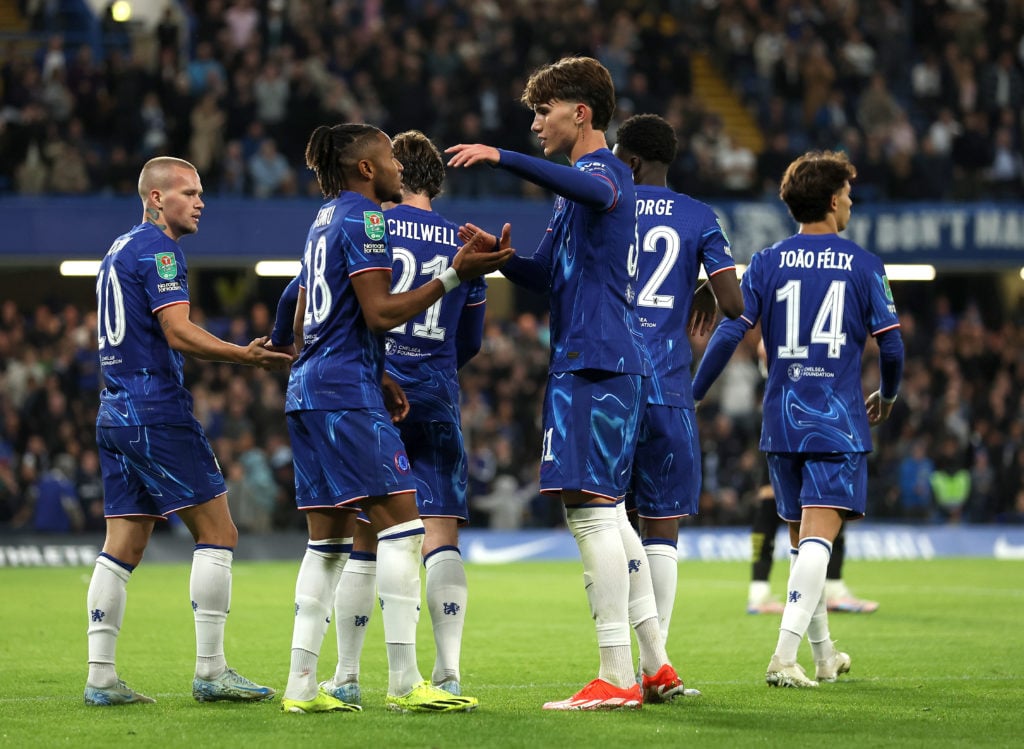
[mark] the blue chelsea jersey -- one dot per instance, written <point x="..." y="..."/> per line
<point x="342" y="361"/>
<point x="142" y="272"/>
<point x="593" y="274"/>
<point x="677" y="235"/>
<point x="421" y="354"/>
<point x="818" y="298"/>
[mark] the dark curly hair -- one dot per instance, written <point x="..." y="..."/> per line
<point x="648" y="136"/>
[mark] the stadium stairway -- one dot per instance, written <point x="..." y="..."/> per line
<point x="714" y="91"/>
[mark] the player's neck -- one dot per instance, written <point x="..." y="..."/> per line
<point x="416" y="200"/>
<point x="826" y="226"/>
<point x="590" y="140"/>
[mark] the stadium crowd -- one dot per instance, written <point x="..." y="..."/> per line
<point x="925" y="95"/>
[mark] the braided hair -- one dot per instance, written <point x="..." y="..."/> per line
<point x="333" y="151"/>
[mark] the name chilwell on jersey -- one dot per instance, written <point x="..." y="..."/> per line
<point x="422" y="232"/>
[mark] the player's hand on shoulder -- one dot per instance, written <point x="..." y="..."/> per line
<point x="260" y="355"/>
<point x="468" y="154"/>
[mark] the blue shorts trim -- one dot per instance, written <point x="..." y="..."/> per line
<point x="155" y="471"/>
<point x="830" y="480"/>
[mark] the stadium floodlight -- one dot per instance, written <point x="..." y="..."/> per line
<point x="121" y="11"/>
<point x="79" y="267"/>
<point x="915" y="272"/>
<point x="278" y="268"/>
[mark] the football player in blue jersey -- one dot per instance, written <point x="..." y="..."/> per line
<point x="423" y="357"/>
<point x="155" y="458"/>
<point x="599" y="371"/>
<point x="340" y="408"/>
<point x="677" y="235"/>
<point x="817" y="296"/>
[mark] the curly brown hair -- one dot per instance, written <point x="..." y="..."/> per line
<point x="422" y="165"/>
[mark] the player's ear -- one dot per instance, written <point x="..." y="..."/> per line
<point x="365" y="169"/>
<point x="581" y="113"/>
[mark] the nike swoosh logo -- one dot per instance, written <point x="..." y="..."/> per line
<point x="478" y="551"/>
<point x="1003" y="549"/>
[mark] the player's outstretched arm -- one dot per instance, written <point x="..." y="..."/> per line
<point x="186" y="337"/>
<point x="468" y="154"/>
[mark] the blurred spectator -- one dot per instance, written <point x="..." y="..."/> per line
<point x="950" y="481"/>
<point x="269" y="172"/>
<point x="972" y="155"/>
<point x="915" y="489"/>
<point x="1005" y="177"/>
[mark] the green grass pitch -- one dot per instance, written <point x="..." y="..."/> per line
<point x="940" y="664"/>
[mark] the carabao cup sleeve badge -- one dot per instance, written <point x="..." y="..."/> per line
<point x="166" y="265"/>
<point x="373" y="223"/>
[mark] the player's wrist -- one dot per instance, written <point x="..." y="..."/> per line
<point x="449" y="279"/>
<point x="887" y="401"/>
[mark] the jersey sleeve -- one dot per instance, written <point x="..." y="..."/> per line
<point x="716" y="255"/>
<point x="164" y="275"/>
<point x="591" y="184"/>
<point x="883" y="308"/>
<point x="367" y="246"/>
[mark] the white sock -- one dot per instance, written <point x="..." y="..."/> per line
<point x="760" y="591"/>
<point x="398" y="585"/>
<point x="314" y="592"/>
<point x="805" y="588"/>
<point x="606" y="581"/>
<point x="836" y="589"/>
<point x="818" y="634"/>
<point x="643" y="605"/>
<point x="354" y="602"/>
<point x="105" y="603"/>
<point x="446" y="601"/>
<point x="210" y="588"/>
<point x="663" y="558"/>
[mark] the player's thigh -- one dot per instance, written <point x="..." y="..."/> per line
<point x="785" y="472"/>
<point x="667" y="464"/>
<point x="591" y="421"/>
<point x="438" y="457"/>
<point x="154" y="471"/>
<point x="836" y="481"/>
<point x="343" y="457"/>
